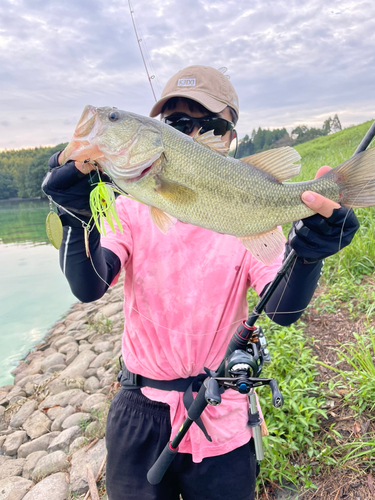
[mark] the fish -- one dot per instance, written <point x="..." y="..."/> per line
<point x="190" y="179"/>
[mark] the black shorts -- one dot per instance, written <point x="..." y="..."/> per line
<point x="137" y="431"/>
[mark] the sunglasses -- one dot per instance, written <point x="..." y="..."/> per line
<point x="186" y="124"/>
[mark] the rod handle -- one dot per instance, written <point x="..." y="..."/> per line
<point x="157" y="471"/>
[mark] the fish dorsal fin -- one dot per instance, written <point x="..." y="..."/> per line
<point x="211" y="141"/>
<point x="164" y="221"/>
<point x="279" y="162"/>
<point x="174" y="191"/>
<point x="265" y="247"/>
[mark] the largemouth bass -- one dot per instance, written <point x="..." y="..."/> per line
<point x="184" y="178"/>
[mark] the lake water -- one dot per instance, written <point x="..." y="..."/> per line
<point x="33" y="291"/>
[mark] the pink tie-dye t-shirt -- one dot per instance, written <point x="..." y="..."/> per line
<point x="185" y="295"/>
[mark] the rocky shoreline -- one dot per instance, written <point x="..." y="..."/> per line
<point x="52" y="419"/>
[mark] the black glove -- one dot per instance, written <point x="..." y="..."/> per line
<point x="71" y="189"/>
<point x="318" y="237"/>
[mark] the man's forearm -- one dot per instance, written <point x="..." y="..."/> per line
<point x="294" y="292"/>
<point x="89" y="278"/>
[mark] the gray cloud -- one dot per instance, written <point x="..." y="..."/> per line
<point x="290" y="62"/>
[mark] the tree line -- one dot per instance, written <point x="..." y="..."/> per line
<point x="263" y="139"/>
<point x="22" y="171"/>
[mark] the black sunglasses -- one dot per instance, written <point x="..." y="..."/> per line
<point x="185" y="123"/>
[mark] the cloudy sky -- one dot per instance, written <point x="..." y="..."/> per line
<point x="291" y="61"/>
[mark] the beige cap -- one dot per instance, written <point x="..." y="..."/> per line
<point x="203" y="84"/>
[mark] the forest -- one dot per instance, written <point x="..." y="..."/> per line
<point x="23" y="170"/>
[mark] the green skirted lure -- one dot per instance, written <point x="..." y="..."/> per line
<point x="102" y="204"/>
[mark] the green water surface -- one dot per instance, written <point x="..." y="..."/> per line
<point x="33" y="291"/>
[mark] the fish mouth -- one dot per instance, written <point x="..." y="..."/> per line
<point x="134" y="174"/>
<point x="86" y="122"/>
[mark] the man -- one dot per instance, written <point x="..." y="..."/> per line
<point x="185" y="294"/>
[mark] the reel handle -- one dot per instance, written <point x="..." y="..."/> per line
<point x="277" y="397"/>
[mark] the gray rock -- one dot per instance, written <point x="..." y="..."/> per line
<point x="103" y="347"/>
<point x="77" y="444"/>
<point x="109" y="310"/>
<point x="13" y="442"/>
<point x="99" y="408"/>
<point x="53" y="487"/>
<point x="90" y="372"/>
<point x="75" y="325"/>
<point x="64" y="439"/>
<point x="62" y="341"/>
<point x="76" y="315"/>
<point x="55" y="368"/>
<point x="12" y="468"/>
<point x="14" y="488"/>
<point x="54" y="462"/>
<point x="101" y="359"/>
<point x="29" y="389"/>
<point x="54" y="413"/>
<point x="2" y="441"/>
<point x="92" y="384"/>
<point x="93" y="400"/>
<point x="38" y="444"/>
<point x="30" y="463"/>
<point x="54" y="359"/>
<point x="61" y="399"/>
<point x="67" y="411"/>
<point x="80" y="459"/>
<point x="78" y="367"/>
<point x="16" y="391"/>
<point x="78" y="418"/>
<point x="23" y="414"/>
<point x="71" y="356"/>
<point x="56" y="386"/>
<point x="37" y="424"/>
<point x="3" y="397"/>
<point x="37" y="378"/>
<point x="72" y="345"/>
<point x="84" y="347"/>
<point x="6" y="388"/>
<point x="82" y="335"/>
<point x="101" y="372"/>
<point x="48" y="351"/>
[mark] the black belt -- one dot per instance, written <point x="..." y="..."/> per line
<point x="130" y="381"/>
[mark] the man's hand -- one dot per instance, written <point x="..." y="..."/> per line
<point x="84" y="168"/>
<point x="317" y="202"/>
<point x="326" y="232"/>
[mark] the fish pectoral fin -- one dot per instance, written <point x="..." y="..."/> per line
<point x="211" y="141"/>
<point x="174" y="191"/>
<point x="265" y="247"/>
<point x="163" y="221"/>
<point x="279" y="162"/>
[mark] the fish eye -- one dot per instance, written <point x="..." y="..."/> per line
<point x="114" y="116"/>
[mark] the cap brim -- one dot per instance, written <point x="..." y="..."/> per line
<point x="213" y="105"/>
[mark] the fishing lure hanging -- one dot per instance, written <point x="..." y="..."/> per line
<point x="54" y="227"/>
<point x="103" y="206"/>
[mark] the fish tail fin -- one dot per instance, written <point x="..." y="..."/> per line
<point x="356" y="180"/>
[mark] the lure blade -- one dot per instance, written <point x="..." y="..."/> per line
<point x="54" y="229"/>
<point x="102" y="204"/>
<point x="86" y="235"/>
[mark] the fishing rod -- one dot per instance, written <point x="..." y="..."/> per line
<point x="140" y="48"/>
<point x="239" y="369"/>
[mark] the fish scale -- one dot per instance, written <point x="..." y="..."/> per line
<point x="184" y="178"/>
